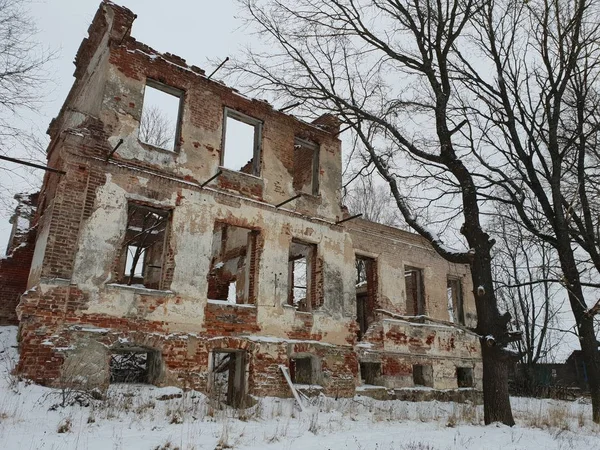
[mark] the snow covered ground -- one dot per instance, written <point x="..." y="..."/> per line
<point x="144" y="417"/>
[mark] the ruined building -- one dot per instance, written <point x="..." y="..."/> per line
<point x="180" y="252"/>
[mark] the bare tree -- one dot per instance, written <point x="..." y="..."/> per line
<point x="534" y="121"/>
<point x="22" y="76"/>
<point x="525" y="269"/>
<point x="385" y="68"/>
<point x="364" y="196"/>
<point x="156" y="129"/>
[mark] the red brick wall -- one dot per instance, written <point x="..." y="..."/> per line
<point x="14" y="272"/>
<point x="15" y="267"/>
<point x="47" y="335"/>
<point x="230" y="319"/>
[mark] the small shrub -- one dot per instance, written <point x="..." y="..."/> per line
<point x="176" y="418"/>
<point x="65" y="425"/>
<point x="166" y="446"/>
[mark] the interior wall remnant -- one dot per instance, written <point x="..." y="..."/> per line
<point x="233" y="264"/>
<point x="423" y="375"/>
<point x="229" y="376"/>
<point x="455" y="301"/>
<point x="142" y="255"/>
<point x="134" y="366"/>
<point x="464" y="377"/>
<point x="301" y="276"/>
<point x="306" y="167"/>
<point x="366" y="292"/>
<point x="415" y="291"/>
<point x="370" y="372"/>
<point x="302" y="370"/>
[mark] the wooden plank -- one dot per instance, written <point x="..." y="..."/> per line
<point x="286" y="375"/>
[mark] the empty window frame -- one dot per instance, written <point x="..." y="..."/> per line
<point x="301" y="276"/>
<point x="233" y="265"/>
<point x="415" y="295"/>
<point x="241" y="146"/>
<point x="422" y="375"/>
<point x="306" y="167"/>
<point x="134" y="366"/>
<point x="464" y="377"/>
<point x="455" y="301"/>
<point x="302" y="370"/>
<point x="366" y="291"/>
<point x="161" y="116"/>
<point x="144" y="246"/>
<point x="228" y="381"/>
<point x="370" y="373"/>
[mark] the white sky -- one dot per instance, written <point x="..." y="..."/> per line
<point x="196" y="30"/>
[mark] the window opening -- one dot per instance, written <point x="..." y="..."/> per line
<point x="306" y="167"/>
<point x="423" y="375"/>
<point x="233" y="264"/>
<point x="160" y="120"/>
<point x="302" y="370"/>
<point x="370" y="372"/>
<point x="455" y="301"/>
<point x="229" y="376"/>
<point x="415" y="298"/>
<point x="134" y="366"/>
<point x="365" y="292"/>
<point x="301" y="276"/>
<point x="464" y="377"/>
<point x="144" y="245"/>
<point x="241" y="143"/>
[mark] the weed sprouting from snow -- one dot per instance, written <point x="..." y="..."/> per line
<point x="417" y="446"/>
<point x="223" y="441"/>
<point x="313" y="426"/>
<point x="65" y="425"/>
<point x="279" y="433"/>
<point x="8" y="366"/>
<point x="166" y="446"/>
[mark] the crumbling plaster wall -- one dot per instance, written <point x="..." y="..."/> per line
<point x="85" y="223"/>
<point x="394" y="249"/>
<point x="398" y="345"/>
<point x="198" y="157"/>
<point x="191" y="238"/>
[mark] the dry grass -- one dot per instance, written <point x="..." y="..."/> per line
<point x="223" y="441"/>
<point x="554" y="416"/>
<point x="65" y="425"/>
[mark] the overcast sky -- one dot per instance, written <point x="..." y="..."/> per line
<point x="196" y="30"/>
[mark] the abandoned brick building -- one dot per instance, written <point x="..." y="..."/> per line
<point x="185" y="251"/>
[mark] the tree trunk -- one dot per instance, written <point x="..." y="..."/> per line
<point x="491" y="326"/>
<point x="591" y="357"/>
<point x="584" y="321"/>
<point x="496" y="401"/>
